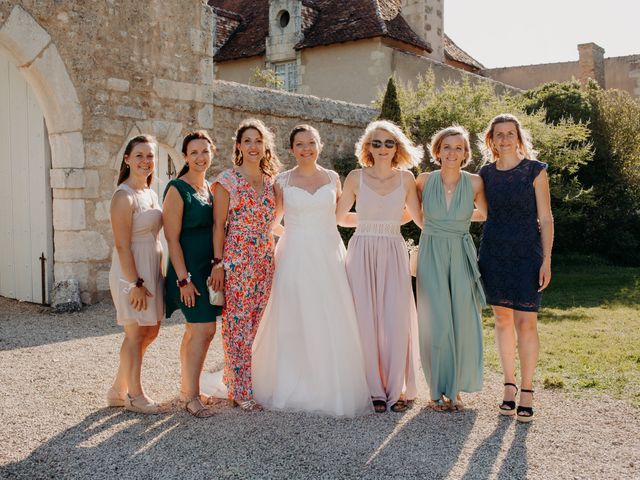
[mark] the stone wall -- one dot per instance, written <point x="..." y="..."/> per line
<point x="340" y="124"/>
<point x="615" y="72"/>
<point x="105" y="71"/>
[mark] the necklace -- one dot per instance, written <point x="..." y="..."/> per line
<point x="202" y="192"/>
<point x="450" y="188"/>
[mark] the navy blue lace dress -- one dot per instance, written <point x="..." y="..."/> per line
<point x="510" y="253"/>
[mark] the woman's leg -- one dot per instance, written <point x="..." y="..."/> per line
<point x="137" y="339"/>
<point x="506" y="344"/>
<point x="526" y="324"/>
<point x="193" y="352"/>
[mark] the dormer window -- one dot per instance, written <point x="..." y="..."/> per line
<point x="288" y="73"/>
<point x="283" y="18"/>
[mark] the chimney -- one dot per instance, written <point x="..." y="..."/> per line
<point x="426" y="19"/>
<point x="591" y="61"/>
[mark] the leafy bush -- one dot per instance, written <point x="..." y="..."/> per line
<point x="609" y="224"/>
<point x="564" y="146"/>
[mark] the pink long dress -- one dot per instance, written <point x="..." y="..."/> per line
<point x="378" y="271"/>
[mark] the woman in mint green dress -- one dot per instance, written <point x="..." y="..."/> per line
<point x="449" y="293"/>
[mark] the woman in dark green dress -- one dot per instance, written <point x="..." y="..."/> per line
<point x="188" y="228"/>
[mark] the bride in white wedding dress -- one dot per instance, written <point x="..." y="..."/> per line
<point x="307" y="354"/>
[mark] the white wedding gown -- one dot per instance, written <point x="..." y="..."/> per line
<point x="307" y="354"/>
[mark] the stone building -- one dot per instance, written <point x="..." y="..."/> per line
<point x="337" y="49"/>
<point x="614" y="72"/>
<point x="77" y="79"/>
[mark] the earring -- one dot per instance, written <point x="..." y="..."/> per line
<point x="127" y="165"/>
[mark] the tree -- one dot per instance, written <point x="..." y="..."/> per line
<point x="610" y="226"/>
<point x="264" y="77"/>
<point x="390" y="109"/>
<point x="564" y="146"/>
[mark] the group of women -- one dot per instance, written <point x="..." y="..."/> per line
<point x="308" y="325"/>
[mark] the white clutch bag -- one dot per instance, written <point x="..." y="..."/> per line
<point x="216" y="297"/>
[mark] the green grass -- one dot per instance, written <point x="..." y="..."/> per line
<point x="589" y="331"/>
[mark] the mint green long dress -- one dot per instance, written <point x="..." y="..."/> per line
<point x="449" y="292"/>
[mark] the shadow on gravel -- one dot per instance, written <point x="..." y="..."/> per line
<point x="29" y="325"/>
<point x="515" y="463"/>
<point x="485" y="455"/>
<point x="111" y="443"/>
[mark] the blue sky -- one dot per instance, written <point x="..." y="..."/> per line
<point x="500" y="33"/>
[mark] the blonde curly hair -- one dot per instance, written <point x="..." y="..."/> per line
<point x="407" y="154"/>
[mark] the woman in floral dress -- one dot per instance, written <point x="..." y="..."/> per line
<point x="244" y="203"/>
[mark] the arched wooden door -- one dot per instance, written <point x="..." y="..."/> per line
<point x="26" y="231"/>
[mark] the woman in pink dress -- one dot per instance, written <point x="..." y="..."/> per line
<point x="244" y="203"/>
<point x="135" y="278"/>
<point x="378" y="261"/>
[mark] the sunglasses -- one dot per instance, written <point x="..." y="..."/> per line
<point x="387" y="143"/>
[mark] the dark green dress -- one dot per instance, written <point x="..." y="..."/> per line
<point x="196" y="240"/>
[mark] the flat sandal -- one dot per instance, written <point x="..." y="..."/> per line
<point x="248" y="405"/>
<point x="200" y="410"/>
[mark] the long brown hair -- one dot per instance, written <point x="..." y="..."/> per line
<point x="525" y="145"/>
<point x="124" y="168"/>
<point x="269" y="164"/>
<point x="196" y="135"/>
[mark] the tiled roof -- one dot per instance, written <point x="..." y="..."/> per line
<point x="454" y="52"/>
<point x="248" y="39"/>
<point x="337" y="21"/>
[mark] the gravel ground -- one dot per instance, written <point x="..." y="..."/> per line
<point x="55" y="370"/>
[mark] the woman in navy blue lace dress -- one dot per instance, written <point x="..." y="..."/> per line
<point x="515" y="252"/>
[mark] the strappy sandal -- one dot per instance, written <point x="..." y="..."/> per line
<point x="135" y="404"/>
<point x="440" y="405"/>
<point x="508" y="407"/>
<point x="399" y="407"/>
<point x="456" y="405"/>
<point x="525" y="414"/>
<point x="379" y="406"/>
<point x="114" y="398"/>
<point x="248" y="405"/>
<point x="196" y="408"/>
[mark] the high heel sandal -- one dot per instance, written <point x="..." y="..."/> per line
<point x="508" y="407"/>
<point x="525" y="414"/>
<point x="134" y="404"/>
<point x="114" y="398"/>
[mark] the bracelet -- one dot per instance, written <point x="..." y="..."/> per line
<point x="128" y="286"/>
<point x="216" y="261"/>
<point x="185" y="281"/>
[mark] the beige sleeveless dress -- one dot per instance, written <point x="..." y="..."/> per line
<point x="378" y="271"/>
<point x="147" y="254"/>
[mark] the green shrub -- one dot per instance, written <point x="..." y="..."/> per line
<point x="606" y="221"/>
<point x="564" y="146"/>
<point x="390" y="108"/>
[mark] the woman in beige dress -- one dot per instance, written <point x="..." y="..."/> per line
<point x="135" y="278"/>
<point x="378" y="262"/>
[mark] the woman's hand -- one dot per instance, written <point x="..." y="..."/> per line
<point x="544" y="277"/>
<point x="216" y="279"/>
<point x="188" y="294"/>
<point x="138" y="298"/>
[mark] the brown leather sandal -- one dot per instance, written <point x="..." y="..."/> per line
<point x="196" y="408"/>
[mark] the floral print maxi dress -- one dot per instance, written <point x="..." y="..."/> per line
<point x="248" y="261"/>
